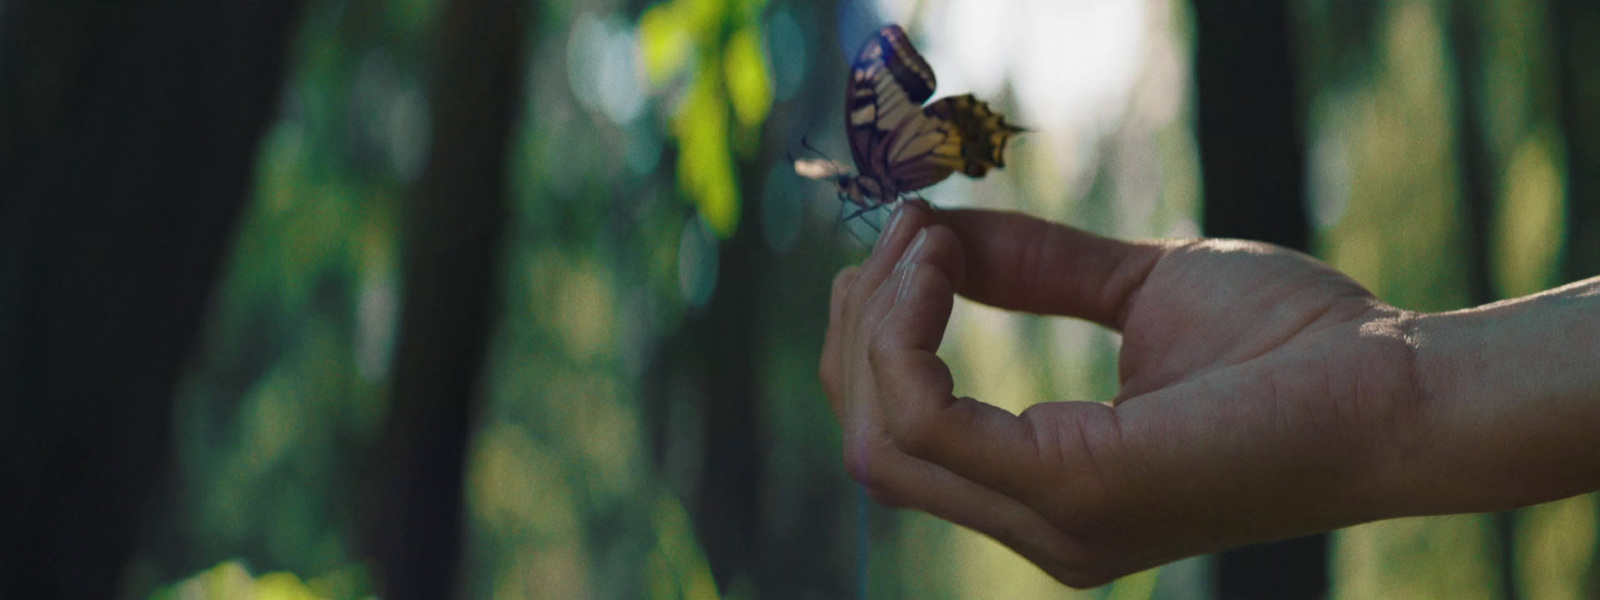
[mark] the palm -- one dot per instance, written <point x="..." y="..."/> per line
<point x="1215" y="304"/>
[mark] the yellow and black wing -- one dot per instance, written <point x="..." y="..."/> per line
<point x="982" y="132"/>
<point x="900" y="146"/>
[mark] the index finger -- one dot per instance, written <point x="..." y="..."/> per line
<point x="1018" y="262"/>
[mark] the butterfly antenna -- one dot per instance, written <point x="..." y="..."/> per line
<point x="805" y="143"/>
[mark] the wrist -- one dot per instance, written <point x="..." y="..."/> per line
<point x="1508" y="399"/>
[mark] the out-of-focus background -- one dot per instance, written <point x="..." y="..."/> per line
<point x="488" y="299"/>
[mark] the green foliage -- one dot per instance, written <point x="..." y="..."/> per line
<point x="709" y="55"/>
<point x="230" y="580"/>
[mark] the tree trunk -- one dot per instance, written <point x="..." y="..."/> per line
<point x="1577" y="25"/>
<point x="1254" y="163"/>
<point x="451" y="251"/>
<point x="1250" y="144"/>
<point x="1472" y="151"/>
<point x="128" y="135"/>
<point x="727" y="508"/>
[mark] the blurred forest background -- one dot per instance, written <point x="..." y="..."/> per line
<point x="475" y="298"/>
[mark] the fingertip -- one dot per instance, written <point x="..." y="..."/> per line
<point x="922" y="303"/>
<point x="902" y="350"/>
<point x="906" y="223"/>
<point x="942" y="249"/>
<point x="908" y="218"/>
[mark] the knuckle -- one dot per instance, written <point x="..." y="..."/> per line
<point x="915" y="432"/>
<point x="879" y="351"/>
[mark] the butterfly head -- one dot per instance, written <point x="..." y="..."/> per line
<point x="861" y="191"/>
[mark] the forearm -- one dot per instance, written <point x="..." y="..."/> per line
<point x="1509" y="412"/>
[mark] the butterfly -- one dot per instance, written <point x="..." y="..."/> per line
<point x="899" y="145"/>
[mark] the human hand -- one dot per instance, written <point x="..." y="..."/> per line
<point x="1264" y="395"/>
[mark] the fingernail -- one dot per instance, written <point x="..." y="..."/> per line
<point x="893" y="226"/>
<point x="906" y="271"/>
<point x="908" y="264"/>
<point x="916" y="247"/>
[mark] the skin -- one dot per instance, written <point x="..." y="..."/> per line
<point x="1264" y="395"/>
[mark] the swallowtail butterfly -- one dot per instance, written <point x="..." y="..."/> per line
<point x="898" y="144"/>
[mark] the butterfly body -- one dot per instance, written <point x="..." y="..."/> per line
<point x="899" y="145"/>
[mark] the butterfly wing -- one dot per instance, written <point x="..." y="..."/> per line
<point x="959" y="133"/>
<point x="889" y="81"/>
<point x="921" y="152"/>
<point x="981" y="132"/>
<point x="900" y="146"/>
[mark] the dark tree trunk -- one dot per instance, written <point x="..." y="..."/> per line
<point x="1250" y="144"/>
<point x="727" y="515"/>
<point x="128" y="135"/>
<point x="1577" y="25"/>
<point x="1472" y="152"/>
<point x="1254" y="161"/>
<point x="451" y="251"/>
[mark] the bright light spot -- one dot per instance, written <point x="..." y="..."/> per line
<point x="1072" y="64"/>
<point x="898" y="11"/>
<point x="584" y="45"/>
<point x="1529" y="245"/>
<point x="584" y="313"/>
<point x="1072" y="72"/>
<point x="610" y="434"/>
<point x="514" y="486"/>
<point x="274" y="420"/>
<point x="391" y="114"/>
<point x="1079" y="61"/>
<point x="409" y="132"/>
<point x="377" y="320"/>
<point x="621" y="81"/>
<point x="603" y="68"/>
<point x="972" y="46"/>
<point x="1328" y="185"/>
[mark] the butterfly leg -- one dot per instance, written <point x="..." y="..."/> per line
<point x="844" y="223"/>
<point x="860" y="213"/>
